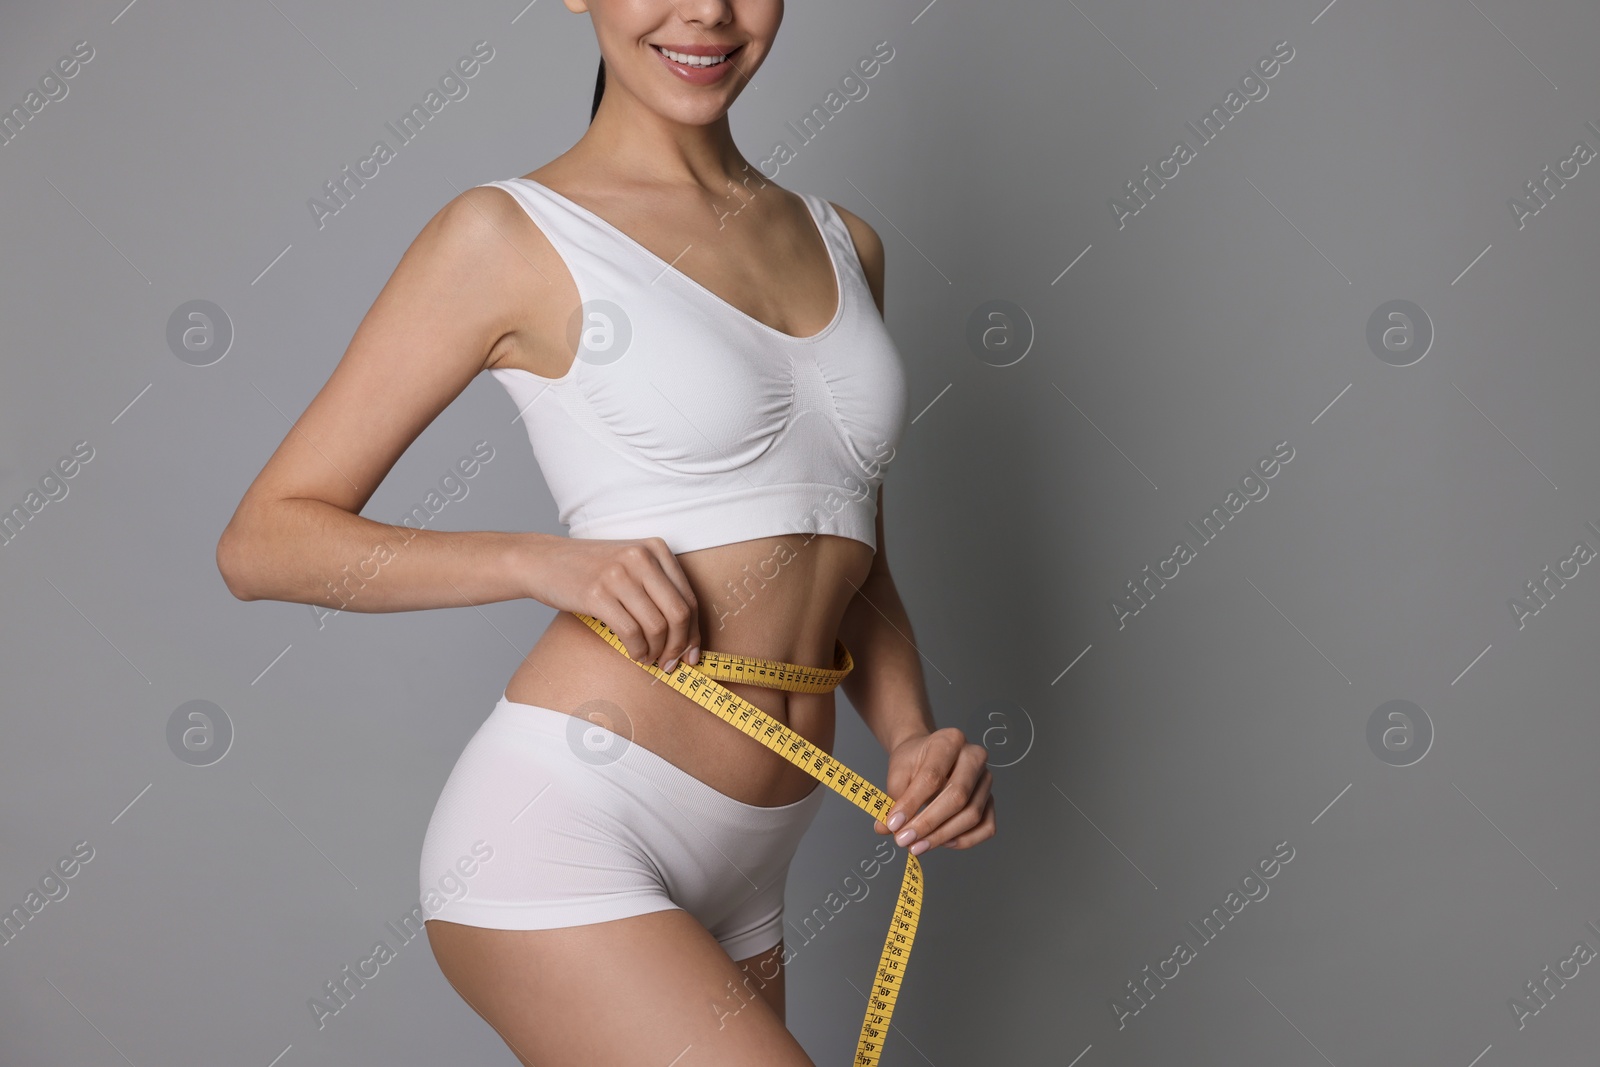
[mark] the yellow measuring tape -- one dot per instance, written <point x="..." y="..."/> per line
<point x="699" y="682"/>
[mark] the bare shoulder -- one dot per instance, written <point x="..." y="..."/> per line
<point x="473" y="262"/>
<point x="869" y="249"/>
<point x="487" y="225"/>
<point x="511" y="260"/>
<point x="464" y="250"/>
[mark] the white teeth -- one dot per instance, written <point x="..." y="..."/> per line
<point x="691" y="61"/>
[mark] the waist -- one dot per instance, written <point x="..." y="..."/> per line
<point x="573" y="670"/>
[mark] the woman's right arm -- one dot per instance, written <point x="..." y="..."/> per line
<point x="298" y="534"/>
<point x="459" y="295"/>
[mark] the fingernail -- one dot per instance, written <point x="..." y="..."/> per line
<point x="905" y="837"/>
<point x="694" y="655"/>
<point x="920" y="847"/>
<point x="896" y="820"/>
<point x="671" y="663"/>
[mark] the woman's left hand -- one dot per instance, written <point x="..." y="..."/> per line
<point x="950" y="776"/>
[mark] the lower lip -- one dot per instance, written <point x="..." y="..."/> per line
<point x="699" y="75"/>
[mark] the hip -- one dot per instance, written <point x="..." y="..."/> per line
<point x="547" y="821"/>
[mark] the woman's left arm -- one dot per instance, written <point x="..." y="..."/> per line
<point x="886" y="687"/>
<point x="927" y="765"/>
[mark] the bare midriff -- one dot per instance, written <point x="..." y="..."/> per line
<point x="776" y="598"/>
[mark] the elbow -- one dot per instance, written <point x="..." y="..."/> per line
<point x="231" y="562"/>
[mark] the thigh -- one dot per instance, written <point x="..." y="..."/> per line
<point x="649" y="989"/>
<point x="762" y="976"/>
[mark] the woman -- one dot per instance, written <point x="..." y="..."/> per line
<point x="714" y="432"/>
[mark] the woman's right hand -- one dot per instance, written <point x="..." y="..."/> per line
<point x="635" y="586"/>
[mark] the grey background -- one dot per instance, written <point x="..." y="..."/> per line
<point x="1228" y="716"/>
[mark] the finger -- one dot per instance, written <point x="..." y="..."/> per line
<point x="611" y="611"/>
<point x="982" y="832"/>
<point x="986" y="828"/>
<point x="955" y="810"/>
<point x="674" y="572"/>
<point x="672" y="609"/>
<point x="645" y="627"/>
<point x="967" y="817"/>
<point x="958" y="788"/>
<point x="936" y="759"/>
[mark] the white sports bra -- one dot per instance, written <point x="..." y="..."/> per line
<point x="684" y="418"/>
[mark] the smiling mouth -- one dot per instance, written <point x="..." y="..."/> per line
<point x="688" y="59"/>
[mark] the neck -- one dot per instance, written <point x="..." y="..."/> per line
<point x="641" y="147"/>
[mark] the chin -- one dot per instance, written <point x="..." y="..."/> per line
<point x="695" y="115"/>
